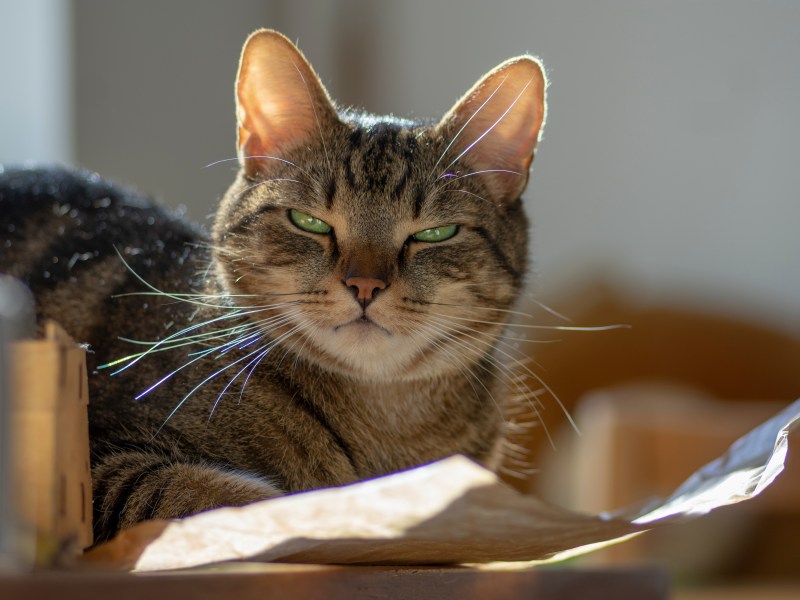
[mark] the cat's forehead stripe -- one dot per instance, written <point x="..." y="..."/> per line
<point x="419" y="199"/>
<point x="379" y="158"/>
<point x="330" y="193"/>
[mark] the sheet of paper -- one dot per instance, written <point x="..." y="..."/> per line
<point x="451" y="511"/>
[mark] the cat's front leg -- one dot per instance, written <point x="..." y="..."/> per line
<point x="133" y="486"/>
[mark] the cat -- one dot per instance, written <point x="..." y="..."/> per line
<point x="340" y="322"/>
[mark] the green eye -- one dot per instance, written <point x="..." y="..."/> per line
<point x="436" y="234"/>
<point x="308" y="223"/>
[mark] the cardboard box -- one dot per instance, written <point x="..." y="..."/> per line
<point x="50" y="437"/>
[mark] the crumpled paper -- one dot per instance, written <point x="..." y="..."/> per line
<point x="451" y="511"/>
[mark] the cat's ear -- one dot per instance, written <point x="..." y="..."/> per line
<point x="280" y="102"/>
<point x="494" y="128"/>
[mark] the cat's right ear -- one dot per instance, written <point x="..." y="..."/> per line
<point x="280" y="102"/>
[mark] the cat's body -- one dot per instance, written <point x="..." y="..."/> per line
<point x="341" y="321"/>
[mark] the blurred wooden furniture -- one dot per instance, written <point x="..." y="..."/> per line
<point x="721" y="356"/>
<point x="739" y="592"/>
<point x="656" y="401"/>
<point x="640" y="442"/>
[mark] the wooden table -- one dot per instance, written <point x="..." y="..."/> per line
<point x="298" y="582"/>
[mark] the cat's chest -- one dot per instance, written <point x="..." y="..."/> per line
<point x="310" y="432"/>
<point x="395" y="427"/>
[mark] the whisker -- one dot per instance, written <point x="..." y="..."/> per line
<point x="473" y="173"/>
<point x="316" y="117"/>
<point x="222" y="349"/>
<point x="500" y="337"/>
<point x="228" y="307"/>
<point x="170" y="339"/>
<point x="189" y="341"/>
<point x="462" y="366"/>
<point x="485" y="133"/>
<point x="474" y="195"/>
<point x="472" y="116"/>
<point x="288" y="349"/>
<point x="201" y="384"/>
<point x="180" y="297"/>
<point x="544" y="327"/>
<point x="539" y="418"/>
<point x="532" y="374"/>
<point x="272" y="180"/>
<point x="225" y="389"/>
<point x="160" y="343"/>
<point x="550" y="310"/>
<point x="473" y="307"/>
<point x="313" y="329"/>
<point x="204" y="381"/>
<point x="278" y="158"/>
<point x="264" y="350"/>
<point x="172" y="373"/>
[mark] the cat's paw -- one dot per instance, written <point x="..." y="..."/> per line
<point x="137" y="486"/>
<point x="186" y="489"/>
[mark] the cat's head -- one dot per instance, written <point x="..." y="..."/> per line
<point x="388" y="248"/>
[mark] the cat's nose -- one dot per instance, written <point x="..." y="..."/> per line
<point x="365" y="288"/>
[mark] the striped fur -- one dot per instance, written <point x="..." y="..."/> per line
<point x="271" y="376"/>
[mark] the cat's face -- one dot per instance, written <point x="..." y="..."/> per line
<point x="381" y="248"/>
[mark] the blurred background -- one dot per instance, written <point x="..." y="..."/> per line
<point x="669" y="158"/>
<point x="665" y="193"/>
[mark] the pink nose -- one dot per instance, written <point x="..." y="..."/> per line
<point x="365" y="288"/>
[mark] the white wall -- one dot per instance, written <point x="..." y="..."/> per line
<point x="35" y="82"/>
<point x="154" y="93"/>
<point x="670" y="155"/>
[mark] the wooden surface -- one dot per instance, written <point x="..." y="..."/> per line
<point x="298" y="582"/>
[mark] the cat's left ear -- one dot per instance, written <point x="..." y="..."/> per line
<point x="495" y="127"/>
<point x="280" y="102"/>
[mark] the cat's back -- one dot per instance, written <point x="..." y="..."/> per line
<point x="45" y="211"/>
<point x="65" y="233"/>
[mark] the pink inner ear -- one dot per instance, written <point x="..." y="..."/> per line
<point x="281" y="103"/>
<point x="251" y="151"/>
<point x="496" y="126"/>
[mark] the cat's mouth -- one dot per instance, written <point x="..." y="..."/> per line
<point x="362" y="322"/>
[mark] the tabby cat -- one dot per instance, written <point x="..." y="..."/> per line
<point x="340" y="322"/>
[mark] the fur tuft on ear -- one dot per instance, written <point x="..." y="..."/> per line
<point x="280" y="102"/>
<point x="495" y="127"/>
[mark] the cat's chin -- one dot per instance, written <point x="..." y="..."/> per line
<point x="363" y="348"/>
